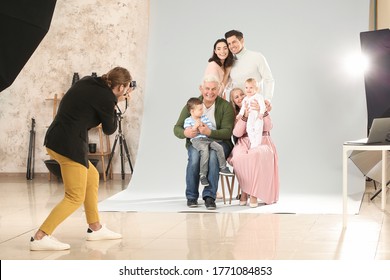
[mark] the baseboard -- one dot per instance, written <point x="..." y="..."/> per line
<point x="115" y="176"/>
<point x="21" y="175"/>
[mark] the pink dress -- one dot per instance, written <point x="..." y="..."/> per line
<point x="256" y="169"/>
<point x="215" y="70"/>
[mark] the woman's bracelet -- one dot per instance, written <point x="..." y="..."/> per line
<point x="244" y="118"/>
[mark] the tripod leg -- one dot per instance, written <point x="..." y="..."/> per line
<point x="33" y="157"/>
<point x="29" y="158"/>
<point x="122" y="158"/>
<point x="378" y="192"/>
<point x="127" y="154"/>
<point x="111" y="155"/>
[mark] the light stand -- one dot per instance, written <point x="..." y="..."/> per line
<point x="122" y="146"/>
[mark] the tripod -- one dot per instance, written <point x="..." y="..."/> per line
<point x="379" y="191"/>
<point x="122" y="146"/>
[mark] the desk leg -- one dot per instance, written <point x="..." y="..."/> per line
<point x="384" y="183"/>
<point x="345" y="187"/>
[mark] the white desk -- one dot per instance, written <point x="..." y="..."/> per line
<point x="347" y="147"/>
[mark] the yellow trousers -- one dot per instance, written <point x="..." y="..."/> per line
<point x="81" y="185"/>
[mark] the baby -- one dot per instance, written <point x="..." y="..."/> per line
<point x="254" y="126"/>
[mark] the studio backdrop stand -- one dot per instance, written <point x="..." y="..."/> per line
<point x="122" y="146"/>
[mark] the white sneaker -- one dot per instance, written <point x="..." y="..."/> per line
<point x="102" y="234"/>
<point x="48" y="243"/>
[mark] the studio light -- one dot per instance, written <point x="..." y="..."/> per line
<point x="356" y="64"/>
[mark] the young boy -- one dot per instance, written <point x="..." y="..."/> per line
<point x="201" y="142"/>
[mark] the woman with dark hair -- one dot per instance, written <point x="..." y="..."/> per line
<point x="89" y="102"/>
<point x="220" y="64"/>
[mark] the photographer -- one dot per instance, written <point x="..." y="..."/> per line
<point x="89" y="102"/>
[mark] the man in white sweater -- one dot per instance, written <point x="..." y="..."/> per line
<point x="249" y="64"/>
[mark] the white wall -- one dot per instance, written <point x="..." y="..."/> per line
<point x="85" y="36"/>
<point x="317" y="105"/>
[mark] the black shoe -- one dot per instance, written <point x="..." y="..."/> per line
<point x="192" y="203"/>
<point x="209" y="202"/>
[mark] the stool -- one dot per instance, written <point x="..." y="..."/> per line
<point x="229" y="179"/>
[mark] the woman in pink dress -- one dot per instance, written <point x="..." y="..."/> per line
<point x="256" y="169"/>
<point x="220" y="64"/>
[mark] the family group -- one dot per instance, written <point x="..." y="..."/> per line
<point x="230" y="123"/>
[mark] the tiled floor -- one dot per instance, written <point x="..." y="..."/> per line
<point x="205" y="236"/>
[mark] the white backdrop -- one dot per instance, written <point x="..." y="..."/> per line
<point x="317" y="105"/>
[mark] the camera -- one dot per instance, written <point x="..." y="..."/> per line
<point x="133" y="84"/>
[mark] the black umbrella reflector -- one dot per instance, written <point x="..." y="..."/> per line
<point x="23" y="25"/>
<point x="376" y="46"/>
